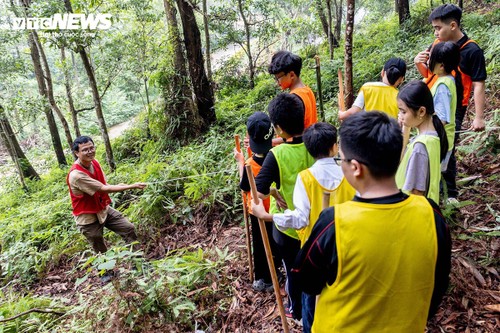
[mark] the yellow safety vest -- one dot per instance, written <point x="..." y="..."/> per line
<point x="386" y="261"/>
<point x="342" y="193"/>
<point x="381" y="98"/>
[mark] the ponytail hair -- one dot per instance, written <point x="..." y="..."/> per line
<point x="415" y="95"/>
<point x="394" y="68"/>
<point x="448" y="54"/>
<point x="443" y="138"/>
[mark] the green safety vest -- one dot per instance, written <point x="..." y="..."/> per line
<point x="450" y="127"/>
<point x="291" y="159"/>
<point x="433" y="147"/>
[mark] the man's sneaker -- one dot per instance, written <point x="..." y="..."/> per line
<point x="452" y="202"/>
<point x="260" y="285"/>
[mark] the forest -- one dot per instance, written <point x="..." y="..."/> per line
<point x="180" y="78"/>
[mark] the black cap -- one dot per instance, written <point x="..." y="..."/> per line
<point x="261" y="132"/>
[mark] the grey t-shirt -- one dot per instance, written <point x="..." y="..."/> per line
<point x="417" y="173"/>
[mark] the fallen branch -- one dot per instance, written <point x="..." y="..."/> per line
<point x="30" y="311"/>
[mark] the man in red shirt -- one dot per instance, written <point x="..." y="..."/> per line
<point x="88" y="191"/>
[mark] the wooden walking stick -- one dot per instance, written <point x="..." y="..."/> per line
<point x="341" y="92"/>
<point x="269" y="255"/>
<point x="245" y="218"/>
<point x="320" y="94"/>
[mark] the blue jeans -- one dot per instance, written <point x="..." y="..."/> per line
<point x="308" y="307"/>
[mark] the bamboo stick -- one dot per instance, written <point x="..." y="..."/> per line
<point x="245" y="218"/>
<point x="269" y="255"/>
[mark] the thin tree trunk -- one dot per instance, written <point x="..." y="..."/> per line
<point x="71" y="104"/>
<point x="207" y="41"/>
<point x="330" y="32"/>
<point x="96" y="98"/>
<point x="338" y="22"/>
<point x="42" y="89"/>
<point x="9" y="139"/>
<point x="201" y="86"/>
<point x="50" y="91"/>
<point x="247" y="43"/>
<point x="349" y="95"/>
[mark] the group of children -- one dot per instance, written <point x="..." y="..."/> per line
<point x="357" y="223"/>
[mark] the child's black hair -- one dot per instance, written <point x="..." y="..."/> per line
<point x="287" y="111"/>
<point x="446" y="13"/>
<point x="80" y="140"/>
<point x="448" y="54"/>
<point x="373" y="139"/>
<point x="394" y="68"/>
<point x="416" y="94"/>
<point x="319" y="139"/>
<point x="285" y="61"/>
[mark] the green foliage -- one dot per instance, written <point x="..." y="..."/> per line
<point x="171" y="287"/>
<point x="12" y="304"/>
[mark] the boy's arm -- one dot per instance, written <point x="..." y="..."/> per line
<point x="299" y="217"/>
<point x="268" y="174"/>
<point x="421" y="63"/>
<point x="316" y="263"/>
<point x="238" y="156"/>
<point x="479" y="104"/>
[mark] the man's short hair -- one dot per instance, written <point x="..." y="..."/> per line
<point x="446" y="13"/>
<point x="319" y="139"/>
<point x="287" y="111"/>
<point x="80" y="140"/>
<point x="374" y="139"/>
<point x="285" y="61"/>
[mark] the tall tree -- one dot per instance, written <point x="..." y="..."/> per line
<point x="49" y="88"/>
<point x="201" y="86"/>
<point x="324" y="10"/>
<point x="185" y="122"/>
<point x="69" y="95"/>
<point x="349" y="29"/>
<point x="89" y="70"/>
<point x="338" y="19"/>
<point x="207" y="40"/>
<point x="42" y="89"/>
<point x="9" y="140"/>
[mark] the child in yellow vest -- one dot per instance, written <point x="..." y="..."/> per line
<point x="420" y="170"/>
<point x="380" y="96"/>
<point x="260" y="133"/>
<point x="380" y="262"/>
<point x="325" y="176"/>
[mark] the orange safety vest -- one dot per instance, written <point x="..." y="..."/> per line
<point x="466" y="79"/>
<point x="247" y="195"/>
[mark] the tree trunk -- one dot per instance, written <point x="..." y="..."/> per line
<point x="42" y="89"/>
<point x="9" y="139"/>
<point x="338" y="22"/>
<point x="207" y="41"/>
<point x="330" y="28"/>
<point x="461" y="4"/>
<point x="349" y="95"/>
<point x="201" y="86"/>
<point x="248" y="50"/>
<point x="50" y="91"/>
<point x="71" y="104"/>
<point x="326" y="25"/>
<point x="96" y="98"/>
<point x="403" y="10"/>
<point x="185" y="121"/>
